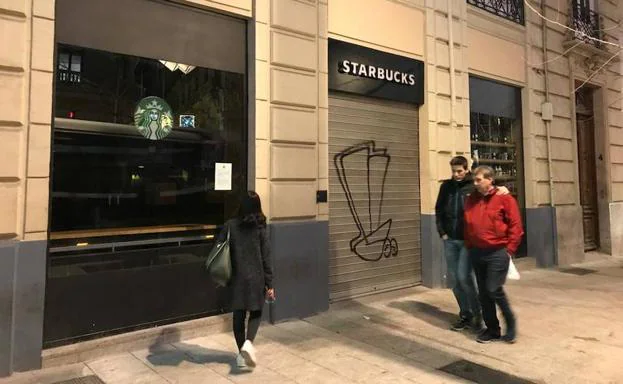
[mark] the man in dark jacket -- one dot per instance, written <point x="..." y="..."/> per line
<point x="493" y="232"/>
<point x="450" y="223"/>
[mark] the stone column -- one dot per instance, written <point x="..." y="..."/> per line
<point x="292" y="149"/>
<point x="26" y="71"/>
<point x="444" y="128"/>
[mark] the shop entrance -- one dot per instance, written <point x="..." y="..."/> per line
<point x="374" y="215"/>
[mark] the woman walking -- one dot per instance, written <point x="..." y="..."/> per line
<point x="252" y="274"/>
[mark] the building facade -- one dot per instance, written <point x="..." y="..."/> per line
<point x="130" y="136"/>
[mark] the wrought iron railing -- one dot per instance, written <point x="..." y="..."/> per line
<point x="586" y="23"/>
<point x="512" y="10"/>
<point x="65" y="76"/>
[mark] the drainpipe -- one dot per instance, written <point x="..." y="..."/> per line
<point x="547" y="114"/>
<point x="452" y="71"/>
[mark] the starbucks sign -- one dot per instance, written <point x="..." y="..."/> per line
<point x="153" y="118"/>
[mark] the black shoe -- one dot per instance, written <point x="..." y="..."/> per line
<point x="511" y="336"/>
<point x="487" y="337"/>
<point x="460" y="325"/>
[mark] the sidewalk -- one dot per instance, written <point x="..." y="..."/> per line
<point x="570" y="331"/>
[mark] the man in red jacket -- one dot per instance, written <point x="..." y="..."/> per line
<point x="493" y="233"/>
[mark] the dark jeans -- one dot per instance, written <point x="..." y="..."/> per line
<point x="491" y="267"/>
<point x="242" y="335"/>
<point x="461" y="276"/>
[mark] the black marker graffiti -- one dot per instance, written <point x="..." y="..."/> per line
<point x="378" y="233"/>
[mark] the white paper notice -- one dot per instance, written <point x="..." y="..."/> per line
<point x="222" y="177"/>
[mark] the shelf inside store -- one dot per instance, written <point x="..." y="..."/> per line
<point x="493" y="144"/>
<point x="505" y="178"/>
<point x="495" y="161"/>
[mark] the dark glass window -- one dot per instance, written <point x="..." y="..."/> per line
<point x="134" y="211"/>
<point x="107" y="175"/>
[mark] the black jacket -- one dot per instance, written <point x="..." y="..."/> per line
<point x="449" y="206"/>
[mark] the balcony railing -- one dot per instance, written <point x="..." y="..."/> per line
<point x="586" y="23"/>
<point x="65" y="76"/>
<point x="509" y="9"/>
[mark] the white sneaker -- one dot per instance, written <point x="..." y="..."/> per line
<point x="248" y="352"/>
<point x="240" y="362"/>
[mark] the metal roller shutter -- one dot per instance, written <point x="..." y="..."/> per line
<point x="374" y="210"/>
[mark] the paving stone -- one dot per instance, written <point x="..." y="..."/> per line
<point x="123" y="369"/>
<point x="67" y="372"/>
<point x="19" y="378"/>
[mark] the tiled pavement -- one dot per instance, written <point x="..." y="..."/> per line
<point x="571" y="331"/>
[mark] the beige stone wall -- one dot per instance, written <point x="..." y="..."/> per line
<point x="563" y="132"/>
<point x="503" y="50"/>
<point x="611" y="105"/>
<point x="446" y="108"/>
<point x="420" y="29"/>
<point x="566" y="68"/>
<point x="233" y="7"/>
<point x="291" y="107"/>
<point x="392" y="26"/>
<point x="26" y="57"/>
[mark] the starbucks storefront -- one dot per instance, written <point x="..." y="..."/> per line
<point x="149" y="156"/>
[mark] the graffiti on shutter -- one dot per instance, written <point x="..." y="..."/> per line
<point x="378" y="235"/>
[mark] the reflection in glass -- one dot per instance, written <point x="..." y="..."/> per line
<point x="107" y="175"/>
<point x="69" y="66"/>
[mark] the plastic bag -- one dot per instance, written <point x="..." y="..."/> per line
<point x="513" y="273"/>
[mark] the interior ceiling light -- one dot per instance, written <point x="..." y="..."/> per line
<point x="185" y="69"/>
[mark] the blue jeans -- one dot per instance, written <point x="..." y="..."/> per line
<point x="461" y="275"/>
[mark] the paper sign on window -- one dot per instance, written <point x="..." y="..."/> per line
<point x="222" y="177"/>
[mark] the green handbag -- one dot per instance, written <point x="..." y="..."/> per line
<point x="219" y="263"/>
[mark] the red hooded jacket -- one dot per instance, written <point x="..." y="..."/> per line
<point x="492" y="221"/>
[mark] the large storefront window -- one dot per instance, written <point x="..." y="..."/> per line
<point x="496" y="133"/>
<point x="108" y="175"/>
<point x="150" y="105"/>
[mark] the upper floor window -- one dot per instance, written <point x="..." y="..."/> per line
<point x="512" y="10"/>
<point x="585" y="22"/>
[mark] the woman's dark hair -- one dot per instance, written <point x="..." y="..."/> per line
<point x="250" y="211"/>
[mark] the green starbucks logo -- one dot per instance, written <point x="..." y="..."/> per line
<point x="153" y="118"/>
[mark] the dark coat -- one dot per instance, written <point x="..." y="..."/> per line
<point x="252" y="271"/>
<point x="449" y="206"/>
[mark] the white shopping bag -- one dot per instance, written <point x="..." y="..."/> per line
<point x="513" y="273"/>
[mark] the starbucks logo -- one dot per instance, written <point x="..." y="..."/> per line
<point x="153" y="118"/>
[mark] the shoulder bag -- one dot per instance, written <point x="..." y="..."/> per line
<point x="219" y="263"/>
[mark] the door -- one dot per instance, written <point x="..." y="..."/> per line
<point x="374" y="210"/>
<point x="587" y="168"/>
